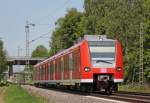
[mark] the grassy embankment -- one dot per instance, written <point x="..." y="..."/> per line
<point x="15" y="94"/>
<point x="135" y="88"/>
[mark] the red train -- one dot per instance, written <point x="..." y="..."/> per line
<point x="95" y="63"/>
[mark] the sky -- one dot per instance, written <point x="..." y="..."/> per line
<point x="42" y="13"/>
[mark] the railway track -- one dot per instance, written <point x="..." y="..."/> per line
<point x="121" y="96"/>
<point x="126" y="96"/>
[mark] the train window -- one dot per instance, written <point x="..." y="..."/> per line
<point x="59" y="65"/>
<point x="74" y="61"/>
<point x="40" y="72"/>
<point x="78" y="61"/>
<point x="47" y="68"/>
<point x="49" y="71"/>
<point x="43" y="70"/>
<point x="50" y="67"/>
<point x="70" y="62"/>
<point x="62" y="64"/>
<point x="53" y="66"/>
<point x="66" y="64"/>
<point x="56" y="61"/>
<point x="35" y="73"/>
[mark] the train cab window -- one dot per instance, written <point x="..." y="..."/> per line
<point x="102" y="53"/>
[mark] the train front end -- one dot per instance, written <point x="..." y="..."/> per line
<point x="106" y="64"/>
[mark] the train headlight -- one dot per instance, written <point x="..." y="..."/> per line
<point x="118" y="69"/>
<point x="87" y="69"/>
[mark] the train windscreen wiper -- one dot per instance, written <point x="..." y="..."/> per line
<point x="103" y="61"/>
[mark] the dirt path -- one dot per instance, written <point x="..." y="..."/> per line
<point x="2" y="91"/>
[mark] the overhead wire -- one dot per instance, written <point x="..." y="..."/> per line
<point x="41" y="36"/>
<point x="54" y="12"/>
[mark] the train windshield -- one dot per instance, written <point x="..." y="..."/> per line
<point x="102" y="53"/>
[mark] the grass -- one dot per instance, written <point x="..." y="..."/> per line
<point x="135" y="88"/>
<point x="15" y="94"/>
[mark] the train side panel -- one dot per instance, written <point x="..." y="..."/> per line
<point x="85" y="63"/>
<point x="118" y="75"/>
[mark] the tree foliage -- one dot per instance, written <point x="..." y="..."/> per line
<point x="68" y="29"/>
<point x="40" y="51"/>
<point x="147" y="52"/>
<point x="2" y="60"/>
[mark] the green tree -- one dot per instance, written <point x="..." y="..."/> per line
<point x="2" y="60"/>
<point x="40" y="51"/>
<point x="147" y="52"/>
<point x="68" y="29"/>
